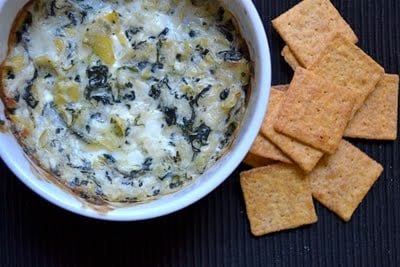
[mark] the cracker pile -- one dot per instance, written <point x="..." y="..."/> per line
<point x="337" y="91"/>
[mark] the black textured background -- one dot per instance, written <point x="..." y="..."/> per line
<point x="215" y="230"/>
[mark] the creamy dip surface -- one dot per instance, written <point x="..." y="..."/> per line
<point x="125" y="100"/>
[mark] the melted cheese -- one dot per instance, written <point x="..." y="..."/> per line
<point x="126" y="100"/>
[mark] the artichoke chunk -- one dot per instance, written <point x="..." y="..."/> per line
<point x="66" y="91"/>
<point x="113" y="18"/>
<point x="44" y="139"/>
<point x="102" y="46"/>
<point x="118" y="125"/>
<point x="59" y="44"/>
<point x="46" y="63"/>
<point x="16" y="62"/>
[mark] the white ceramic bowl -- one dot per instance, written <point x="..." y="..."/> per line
<point x="253" y="31"/>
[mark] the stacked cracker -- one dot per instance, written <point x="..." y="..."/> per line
<point x="337" y="91"/>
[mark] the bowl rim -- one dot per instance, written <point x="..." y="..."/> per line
<point x="219" y="171"/>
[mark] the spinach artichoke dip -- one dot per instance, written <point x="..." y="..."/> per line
<point x="125" y="100"/>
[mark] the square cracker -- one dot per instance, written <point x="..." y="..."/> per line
<point x="277" y="197"/>
<point x="341" y="181"/>
<point x="290" y="58"/>
<point x="256" y="161"/>
<point x="315" y="111"/>
<point x="344" y="64"/>
<point x="264" y="148"/>
<point x="305" y="156"/>
<point x="377" y="118"/>
<point x="309" y="26"/>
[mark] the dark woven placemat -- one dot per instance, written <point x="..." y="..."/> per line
<point x="215" y="231"/>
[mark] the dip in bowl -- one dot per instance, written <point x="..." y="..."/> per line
<point x="133" y="108"/>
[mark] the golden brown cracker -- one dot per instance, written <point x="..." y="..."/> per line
<point x="280" y="87"/>
<point x="341" y="181"/>
<point x="256" y="161"/>
<point x="305" y="156"/>
<point x="309" y="26"/>
<point x="277" y="197"/>
<point x="290" y="58"/>
<point x="344" y="64"/>
<point x="377" y="118"/>
<point x="315" y="111"/>
<point x="264" y="148"/>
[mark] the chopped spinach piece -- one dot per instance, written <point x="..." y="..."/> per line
<point x="98" y="88"/>
<point x="28" y="96"/>
<point x="56" y="5"/>
<point x="136" y="45"/>
<point x="129" y="200"/>
<point x="127" y="131"/>
<point x="83" y="15"/>
<point x="53" y="6"/>
<point x="220" y="14"/>
<point x="59" y="32"/>
<point x="55" y="170"/>
<point x="145" y="168"/>
<point x="158" y="64"/>
<point x="228" y="134"/>
<point x="202" y="51"/>
<point x="170" y="115"/>
<point x="136" y="122"/>
<point x="177" y="158"/>
<point x="199" y="137"/>
<point x="96" y="116"/>
<point x="17" y="96"/>
<point x="130" y="68"/>
<point x="129" y="96"/>
<point x="187" y="123"/>
<point x="78" y="182"/>
<point x="109" y="158"/>
<point x="227" y="30"/>
<point x="175" y="184"/>
<point x="142" y="65"/>
<point x="108" y="177"/>
<point x="155" y="91"/>
<point x="131" y="31"/>
<point x="24" y="28"/>
<point x="192" y="34"/>
<point x="146" y="164"/>
<point x="230" y="55"/>
<point x="164" y="32"/>
<point x="196" y="99"/>
<point x="97" y="75"/>
<point x="10" y="75"/>
<point x="85" y="168"/>
<point x="135" y="173"/>
<point x="168" y="175"/>
<point x="224" y="94"/>
<point x="104" y="95"/>
<point x="72" y="18"/>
